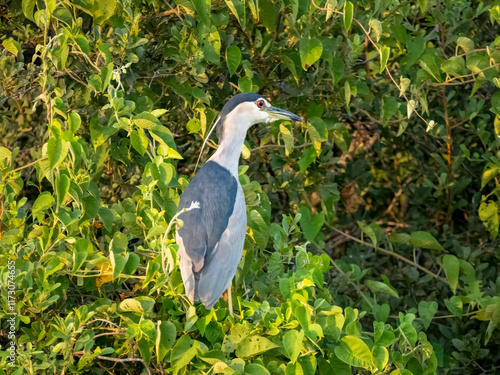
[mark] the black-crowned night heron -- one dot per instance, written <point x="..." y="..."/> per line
<point x="212" y="237"/>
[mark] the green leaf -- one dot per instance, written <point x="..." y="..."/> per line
<point x="410" y="108"/>
<point x="310" y="51"/>
<point x="427" y="310"/>
<point x="74" y="122"/>
<point x="155" y="231"/>
<point x="5" y="154"/>
<point x="409" y="333"/>
<point x="106" y="74"/>
<point x="308" y="157"/>
<point x="146" y="120"/>
<point x="131" y="305"/>
<point x="380" y="357"/>
<point x="311" y="225"/>
<point x="91" y="207"/>
<point x="95" y="82"/>
<point x="317" y="129"/>
<point x="28" y="7"/>
<point x="193" y="126"/>
<point x="347" y="93"/>
<point x="139" y="141"/>
<point x="488" y="213"/>
<point x="292" y="341"/>
<point x="252" y="346"/>
<point x="203" y="9"/>
<point x="372" y="231"/>
<point x="245" y="84"/>
<point x="353" y="351"/>
<point x="42" y="203"/>
<point x="348" y="14"/>
<point x="381" y="312"/>
<point x="403" y="371"/>
<point x="384" y="57"/>
<point x="107" y="218"/>
<point x="451" y="266"/>
<point x="378" y="287"/>
<point x="57" y="149"/>
<point x="12" y="46"/>
<point x="103" y="10"/>
<point x="237" y="7"/>
<point x="63" y="182"/>
<point x="454" y="66"/>
<point x="182" y="352"/>
<point x="423" y="5"/>
<point x="455" y="305"/>
<point x="118" y="260"/>
<point x="287" y="136"/>
<point x="465" y="43"/>
<point x="83" y="43"/>
<point x="84" y="245"/>
<point x="132" y="264"/>
<point x="256" y="369"/>
<point x="165" y="338"/>
<point x="78" y="259"/>
<point x="376" y="27"/>
<point x="425" y="240"/>
<point x="233" y="58"/>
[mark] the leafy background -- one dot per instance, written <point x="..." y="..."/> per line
<point x="372" y="241"/>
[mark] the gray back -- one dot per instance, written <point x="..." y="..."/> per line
<point x="215" y="188"/>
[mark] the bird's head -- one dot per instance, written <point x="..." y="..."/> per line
<point x="247" y="109"/>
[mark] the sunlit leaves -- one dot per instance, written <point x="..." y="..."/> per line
<point x="310" y="51"/>
<point x="139" y="141"/>
<point x="57" y="149"/>
<point x="352" y="350"/>
<point x="12" y="46"/>
<point x="488" y="213"/>
<point x="292" y="341"/>
<point x="384" y="57"/>
<point x="41" y="204"/>
<point x="238" y="9"/>
<point x="28" y="7"/>
<point x="348" y="14"/>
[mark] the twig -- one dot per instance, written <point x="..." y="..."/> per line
<point x="466" y="75"/>
<point x="235" y="86"/>
<point x="112" y="359"/>
<point x="399" y="192"/>
<point x="396" y="255"/>
<point x="25" y="166"/>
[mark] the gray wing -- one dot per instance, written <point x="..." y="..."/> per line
<point x="217" y="275"/>
<point x="215" y="189"/>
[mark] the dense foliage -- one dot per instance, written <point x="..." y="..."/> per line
<point x="372" y="244"/>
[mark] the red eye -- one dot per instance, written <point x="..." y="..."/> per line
<point x="260" y="103"/>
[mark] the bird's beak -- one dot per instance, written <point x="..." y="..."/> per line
<point x="280" y="114"/>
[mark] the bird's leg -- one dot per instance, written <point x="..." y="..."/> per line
<point x="229" y="301"/>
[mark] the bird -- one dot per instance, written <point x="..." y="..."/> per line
<point x="211" y="237"/>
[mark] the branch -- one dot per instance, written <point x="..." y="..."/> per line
<point x="396" y="255"/>
<point x="112" y="359"/>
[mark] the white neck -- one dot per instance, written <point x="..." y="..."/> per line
<point x="229" y="151"/>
